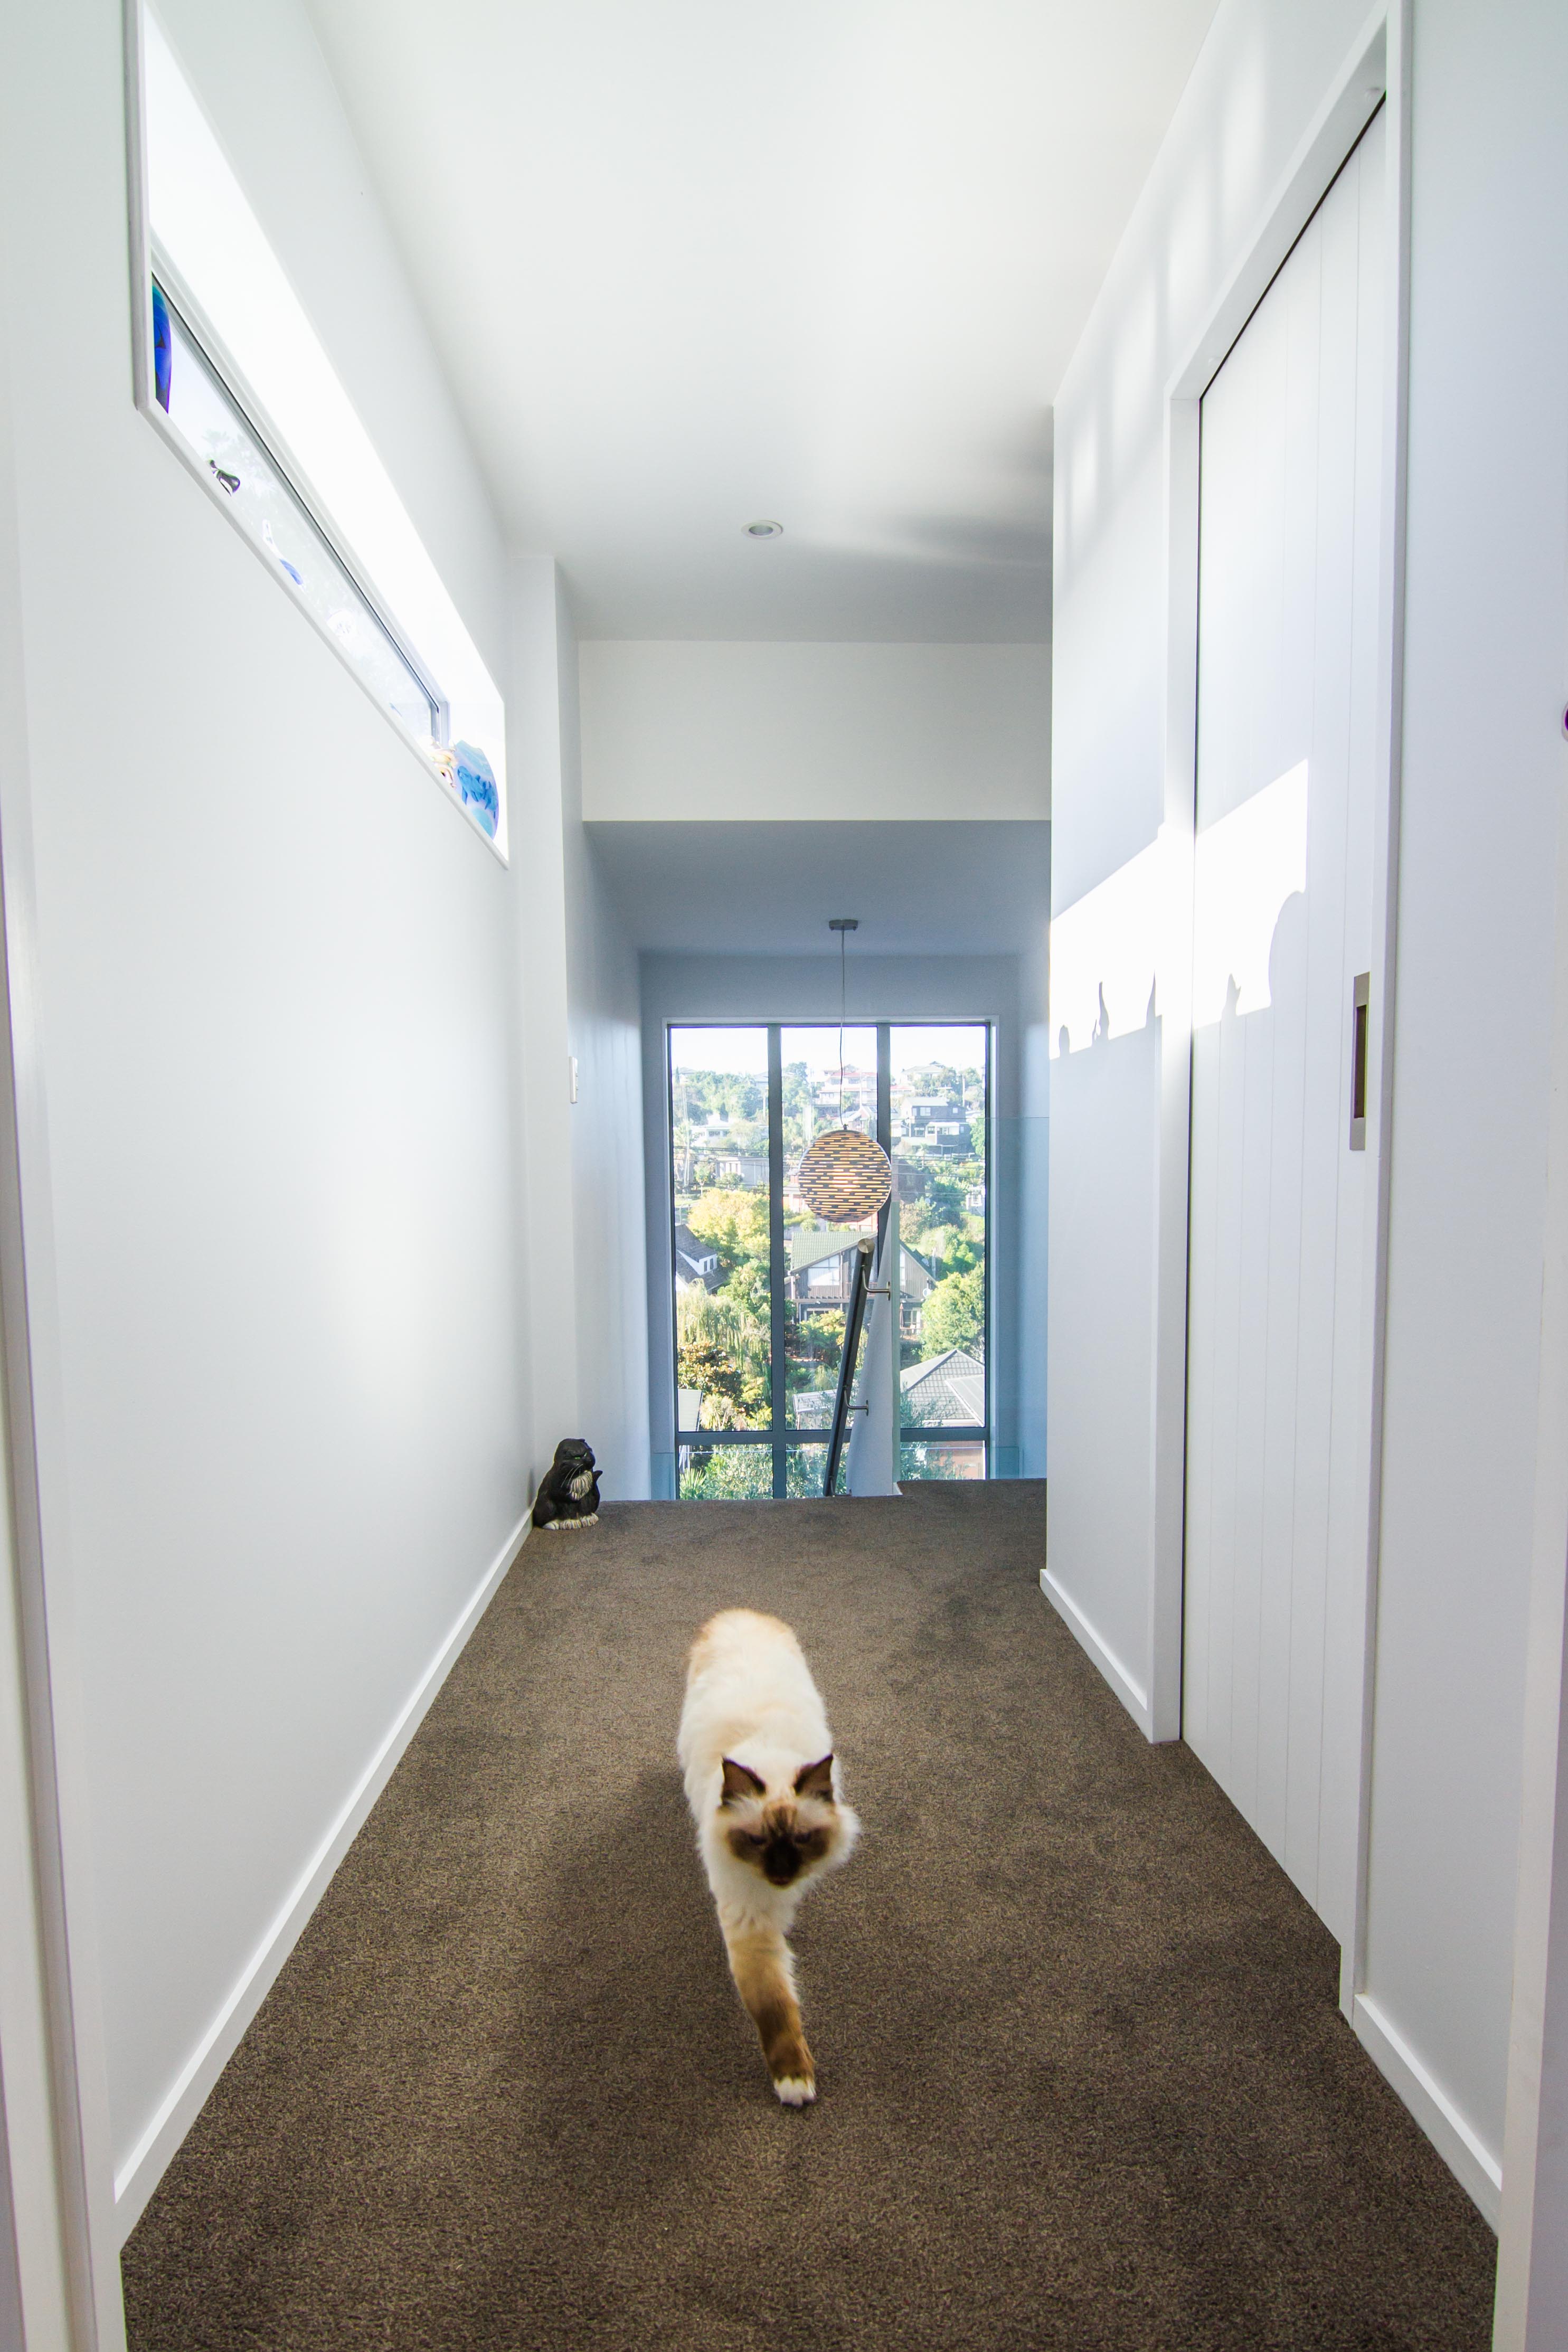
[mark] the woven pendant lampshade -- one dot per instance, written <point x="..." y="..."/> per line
<point x="845" y="1176"/>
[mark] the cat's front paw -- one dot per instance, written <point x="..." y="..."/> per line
<point x="795" y="2090"/>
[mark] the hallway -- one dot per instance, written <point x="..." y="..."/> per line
<point x="1083" y="2079"/>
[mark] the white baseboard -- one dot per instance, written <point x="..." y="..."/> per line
<point x="1467" y="2156"/>
<point x="143" y="2168"/>
<point x="1133" y="1695"/>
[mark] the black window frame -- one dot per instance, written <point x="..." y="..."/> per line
<point x="780" y="1437"/>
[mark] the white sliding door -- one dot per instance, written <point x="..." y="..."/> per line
<point x="1282" y="1202"/>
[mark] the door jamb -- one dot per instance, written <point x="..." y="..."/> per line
<point x="56" y="2126"/>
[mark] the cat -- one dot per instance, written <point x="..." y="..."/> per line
<point x="761" y="1783"/>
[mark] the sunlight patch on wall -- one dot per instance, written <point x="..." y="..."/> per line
<point x="1246" y="866"/>
<point x="1126" y="939"/>
<point x="1105" y="951"/>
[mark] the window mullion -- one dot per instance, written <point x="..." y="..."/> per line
<point x="776" y="1262"/>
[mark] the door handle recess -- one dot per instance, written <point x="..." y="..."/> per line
<point x="1358" y="1061"/>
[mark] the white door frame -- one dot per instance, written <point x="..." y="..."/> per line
<point x="1375" y="70"/>
<point x="55" y="2138"/>
<point x="1530" y="2317"/>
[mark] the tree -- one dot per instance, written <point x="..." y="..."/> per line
<point x="730" y="1396"/>
<point x="722" y="1351"/>
<point x="953" y="1314"/>
<point x="736" y="1223"/>
<point x="915" y="1219"/>
<point x="947" y="1197"/>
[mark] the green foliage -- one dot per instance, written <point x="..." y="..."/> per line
<point x="745" y="1473"/>
<point x="944" y="1195"/>
<point x="733" y="1397"/>
<point x="805" y="1468"/>
<point x="915" y="1219"/>
<point x="954" y="1314"/>
<point x="736" y="1223"/>
<point x="699" y="1092"/>
<point x="721" y="1349"/>
<point x="729" y="1474"/>
<point x="821" y="1336"/>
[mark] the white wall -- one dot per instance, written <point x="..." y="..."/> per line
<point x="283" y="1408"/>
<point x="587" y="1334"/>
<point x="720" y="731"/>
<point x="1483" y="786"/>
<point x="1485" y="770"/>
<point x="605" y="1034"/>
<point x="535" y="750"/>
<point x="40" y="2150"/>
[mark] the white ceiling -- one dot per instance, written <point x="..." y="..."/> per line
<point x="695" y="262"/>
<point x="916" y="889"/>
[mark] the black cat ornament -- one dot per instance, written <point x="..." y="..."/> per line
<point x="569" y="1491"/>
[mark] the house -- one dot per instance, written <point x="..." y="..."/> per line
<point x="748" y="1169"/>
<point x="820" y="1264"/>
<point x="936" y="1124"/>
<point x="696" y="1261"/>
<point x="945" y="1390"/>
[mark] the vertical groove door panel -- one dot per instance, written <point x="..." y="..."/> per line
<point x="1277" y="1414"/>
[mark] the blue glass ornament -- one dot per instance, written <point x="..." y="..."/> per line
<point x="477" y="783"/>
<point x="163" y="348"/>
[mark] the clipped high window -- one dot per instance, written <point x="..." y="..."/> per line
<point x="233" y="371"/>
<point x="209" y="418"/>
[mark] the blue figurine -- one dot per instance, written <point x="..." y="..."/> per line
<point x="163" y="348"/>
<point x="476" y="784"/>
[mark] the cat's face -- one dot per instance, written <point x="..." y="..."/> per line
<point x="786" y="1835"/>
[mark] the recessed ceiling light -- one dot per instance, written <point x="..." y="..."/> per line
<point x="763" y="531"/>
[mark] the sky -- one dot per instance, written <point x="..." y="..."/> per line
<point x="744" y="1052"/>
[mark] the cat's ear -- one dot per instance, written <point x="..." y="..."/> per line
<point x="740" y="1781"/>
<point x="816" y="1781"/>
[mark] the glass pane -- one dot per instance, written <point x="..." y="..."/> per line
<point x="939" y="1079"/>
<point x="806" y="1466"/>
<point x="818" y="1096"/>
<point x="957" y="1460"/>
<point x="727" y="1474"/>
<point x="719" y="1135"/>
<point x="204" y="412"/>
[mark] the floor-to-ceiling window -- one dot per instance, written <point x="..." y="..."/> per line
<point x="939" y="1090"/>
<point x="761" y="1284"/>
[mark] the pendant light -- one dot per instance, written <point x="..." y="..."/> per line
<point x="845" y="1176"/>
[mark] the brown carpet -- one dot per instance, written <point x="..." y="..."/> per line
<point x="1082" y="2079"/>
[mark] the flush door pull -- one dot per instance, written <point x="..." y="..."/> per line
<point x="1358" y="1061"/>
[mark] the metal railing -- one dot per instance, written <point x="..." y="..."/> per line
<point x="854" y="1319"/>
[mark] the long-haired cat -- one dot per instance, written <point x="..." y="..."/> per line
<point x="763" y="1786"/>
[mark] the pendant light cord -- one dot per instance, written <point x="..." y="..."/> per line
<point x="843" y="970"/>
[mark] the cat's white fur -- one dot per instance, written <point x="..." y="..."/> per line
<point x="750" y="1697"/>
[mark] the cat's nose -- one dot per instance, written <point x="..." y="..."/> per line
<point x="781" y="1863"/>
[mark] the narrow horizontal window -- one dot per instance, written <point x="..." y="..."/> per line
<point x="232" y="370"/>
<point x="210" y="420"/>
